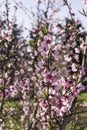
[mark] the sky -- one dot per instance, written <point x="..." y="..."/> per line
<point x="22" y="18"/>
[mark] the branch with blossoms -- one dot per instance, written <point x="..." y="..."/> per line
<point x="43" y="81"/>
<point x="57" y="96"/>
<point x="84" y="10"/>
<point x="13" y="68"/>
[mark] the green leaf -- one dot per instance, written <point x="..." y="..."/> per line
<point x="2" y="58"/>
<point x="32" y="43"/>
<point x="49" y="126"/>
<point x="38" y="37"/>
<point x="44" y="95"/>
<point x="68" y="127"/>
<point x="44" y="30"/>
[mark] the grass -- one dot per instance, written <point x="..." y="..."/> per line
<point x="83" y="97"/>
<point x="12" y="117"/>
<point x="79" y="121"/>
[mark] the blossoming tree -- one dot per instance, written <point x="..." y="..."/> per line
<point x="39" y="86"/>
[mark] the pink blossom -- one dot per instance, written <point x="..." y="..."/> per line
<point x="26" y="110"/>
<point x="67" y="58"/>
<point x="43" y="49"/>
<point x="83" y="46"/>
<point x="48" y="40"/>
<point x="64" y="100"/>
<point x="75" y="90"/>
<point x="82" y="72"/>
<point x="52" y="91"/>
<point x="55" y="53"/>
<point x="76" y="57"/>
<point x="12" y="125"/>
<point x="47" y="76"/>
<point x="41" y="64"/>
<point x="56" y="86"/>
<point x="74" y="44"/>
<point x="51" y="77"/>
<point x="64" y="109"/>
<point x="13" y="91"/>
<point x="77" y="50"/>
<point x="85" y="2"/>
<point x="80" y="86"/>
<point x="74" y="67"/>
<point x="1" y="127"/>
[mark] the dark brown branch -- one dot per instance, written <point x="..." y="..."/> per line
<point x="7" y="13"/>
